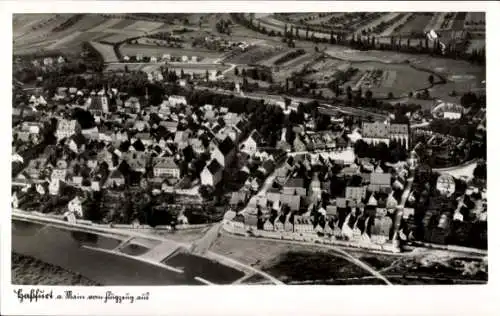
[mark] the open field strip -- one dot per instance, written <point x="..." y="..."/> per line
<point x="389" y="30"/>
<point x="372" y="24"/>
<point x="144" y="26"/>
<point x="107" y="52"/>
<point x="104" y="26"/>
<point x="417" y="25"/>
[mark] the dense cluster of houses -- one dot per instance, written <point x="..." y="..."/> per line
<point x="135" y="143"/>
<point x="331" y="193"/>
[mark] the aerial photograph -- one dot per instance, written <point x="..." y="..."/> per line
<point x="299" y="148"/>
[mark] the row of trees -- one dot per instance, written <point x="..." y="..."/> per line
<point x="454" y="49"/>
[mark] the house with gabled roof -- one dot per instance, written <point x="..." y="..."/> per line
<point x="269" y="224"/>
<point x="116" y="178"/>
<point x="251" y="143"/>
<point x="294" y="186"/>
<point x="224" y="152"/>
<point x="212" y="173"/>
<point x="279" y="223"/>
<point x="355" y="193"/>
<point x="302" y="224"/>
<point x="166" y="167"/>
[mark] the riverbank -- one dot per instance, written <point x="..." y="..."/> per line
<point x="27" y="270"/>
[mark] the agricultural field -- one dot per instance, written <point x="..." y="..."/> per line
<point x="384" y="78"/>
<point x="254" y="54"/>
<point x="371" y="24"/>
<point x="415" y="25"/>
<point x="39" y="29"/>
<point x="434" y="22"/>
<point x="269" y="62"/>
<point x="389" y="30"/>
<point x="106" y="51"/>
<point x="324" y="70"/>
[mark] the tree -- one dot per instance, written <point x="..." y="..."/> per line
<point x="431" y="80"/>
<point x="236" y="71"/>
<point x="480" y="171"/>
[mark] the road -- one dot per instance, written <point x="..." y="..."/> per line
<point x="407" y="190"/>
<point x="259" y="96"/>
<point x="465" y="169"/>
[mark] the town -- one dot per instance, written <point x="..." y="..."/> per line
<point x="265" y="141"/>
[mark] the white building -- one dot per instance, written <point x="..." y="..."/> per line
<point x="75" y="206"/>
<point x="176" y="99"/>
<point x="66" y="128"/>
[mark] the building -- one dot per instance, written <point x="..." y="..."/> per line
<point x="302" y="224"/>
<point x="176" y="99"/>
<point x="224" y="153"/>
<point x="445" y="184"/>
<point x="380" y="182"/>
<point x="59" y="174"/>
<point x="399" y="133"/>
<point x="75" y="206"/>
<point x="97" y="105"/>
<point x="166" y="167"/>
<point x="376" y="132"/>
<point x="212" y="173"/>
<point x="67" y="128"/>
<point x="133" y="103"/>
<point x="294" y="186"/>
<point x="116" y="178"/>
<point x="355" y="193"/>
<point x="380" y="132"/>
<point x="251" y="144"/>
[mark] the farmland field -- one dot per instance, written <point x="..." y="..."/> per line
<point x="390" y="29"/>
<point x="375" y="22"/>
<point x="269" y="62"/>
<point x="416" y="25"/>
<point x="254" y="54"/>
<point x="106" y="51"/>
<point x="395" y="78"/>
<point x="144" y="26"/>
<point x="122" y="24"/>
<point x="435" y="22"/>
<point x="114" y="38"/>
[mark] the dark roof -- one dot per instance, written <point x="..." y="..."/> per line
<point x="116" y="174"/>
<point x="242" y="124"/>
<point x="256" y="136"/>
<point x="216" y="128"/>
<point x="226" y="146"/>
<point x="295" y="183"/>
<point x="214" y="167"/>
<point x="96" y="102"/>
<point x="79" y="139"/>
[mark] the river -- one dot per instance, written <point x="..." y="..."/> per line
<point x="59" y="247"/>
